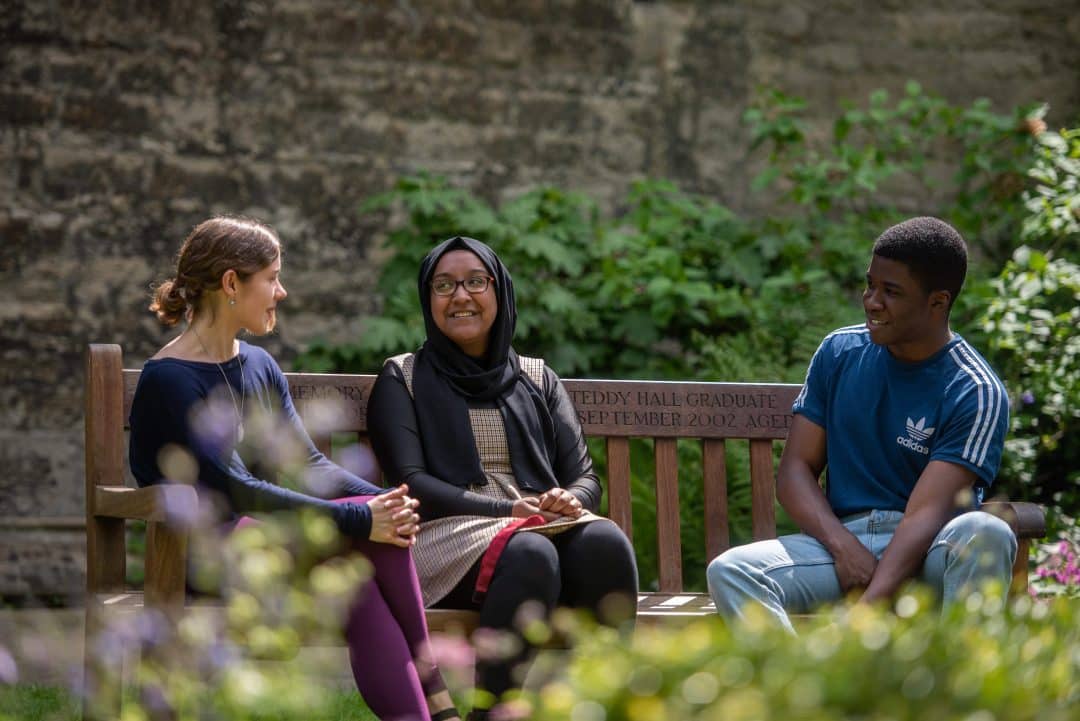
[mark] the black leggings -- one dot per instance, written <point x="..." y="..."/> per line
<point x="579" y="568"/>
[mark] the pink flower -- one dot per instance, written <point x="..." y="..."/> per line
<point x="451" y="651"/>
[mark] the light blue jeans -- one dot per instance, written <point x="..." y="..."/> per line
<point x="795" y="574"/>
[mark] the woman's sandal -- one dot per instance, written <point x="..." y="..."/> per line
<point x="447" y="711"/>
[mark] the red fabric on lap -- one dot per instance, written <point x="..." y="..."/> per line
<point x="491" y="555"/>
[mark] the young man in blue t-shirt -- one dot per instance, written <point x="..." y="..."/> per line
<point x="908" y="422"/>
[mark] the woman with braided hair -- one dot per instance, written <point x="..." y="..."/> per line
<point x="197" y="393"/>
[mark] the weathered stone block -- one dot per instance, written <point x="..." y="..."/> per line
<point x="953" y="29"/>
<point x="205" y="178"/>
<point x="42" y="474"/>
<point x="43" y="563"/>
<point x="109" y="112"/>
<point x="26" y="107"/>
<point x="562" y="49"/>
<point x="612" y="15"/>
<point x="526" y="11"/>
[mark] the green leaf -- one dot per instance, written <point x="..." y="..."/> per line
<point x="765" y="178"/>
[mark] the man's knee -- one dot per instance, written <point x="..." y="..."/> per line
<point x="986" y="530"/>
<point x="728" y="571"/>
<point x="985" y="536"/>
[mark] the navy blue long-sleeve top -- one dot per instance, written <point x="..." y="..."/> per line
<point x="183" y="405"/>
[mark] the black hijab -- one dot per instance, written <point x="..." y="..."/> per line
<point x="445" y="379"/>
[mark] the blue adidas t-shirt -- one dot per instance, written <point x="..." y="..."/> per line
<point x="885" y="420"/>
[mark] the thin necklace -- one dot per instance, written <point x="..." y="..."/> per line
<point x="238" y="407"/>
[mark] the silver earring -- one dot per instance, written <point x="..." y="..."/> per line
<point x="232" y="301"/>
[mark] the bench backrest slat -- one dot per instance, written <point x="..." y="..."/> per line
<point x="614" y="410"/>
<point x="668" y="539"/>
<point x="324" y="442"/>
<point x="762" y="490"/>
<point x="714" y="480"/>
<point x="618" y="486"/>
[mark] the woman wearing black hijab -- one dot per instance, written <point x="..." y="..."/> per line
<point x="490" y="444"/>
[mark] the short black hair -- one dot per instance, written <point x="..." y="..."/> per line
<point x="933" y="251"/>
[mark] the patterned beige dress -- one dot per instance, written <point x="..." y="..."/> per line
<point x="446" y="548"/>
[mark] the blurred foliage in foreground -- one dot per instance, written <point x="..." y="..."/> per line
<point x="285" y="582"/>
<point x="979" y="662"/>
<point x="37" y="702"/>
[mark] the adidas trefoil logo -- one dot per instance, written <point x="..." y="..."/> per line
<point x="916" y="434"/>
<point x="919" y="431"/>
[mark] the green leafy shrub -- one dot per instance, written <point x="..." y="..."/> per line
<point x="655" y="294"/>
<point x="976" y="663"/>
<point x="547" y="231"/>
<point x="1030" y="324"/>
<point x="676" y="286"/>
<point x="1053" y="205"/>
<point x="966" y="164"/>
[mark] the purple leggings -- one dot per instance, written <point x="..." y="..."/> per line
<point x="387" y="634"/>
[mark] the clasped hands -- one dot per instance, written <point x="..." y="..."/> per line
<point x="394" y="519"/>
<point x="552" y="505"/>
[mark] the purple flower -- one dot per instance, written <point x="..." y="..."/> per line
<point x="1027" y="398"/>
<point x="9" y="671"/>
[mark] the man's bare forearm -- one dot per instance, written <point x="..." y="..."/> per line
<point x="905" y="553"/>
<point x="798" y="491"/>
<point x="933" y="501"/>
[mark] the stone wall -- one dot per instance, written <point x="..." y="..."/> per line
<point x="125" y="122"/>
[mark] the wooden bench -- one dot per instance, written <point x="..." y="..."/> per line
<point x="616" y="411"/>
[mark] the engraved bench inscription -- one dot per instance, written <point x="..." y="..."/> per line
<point x="659" y="409"/>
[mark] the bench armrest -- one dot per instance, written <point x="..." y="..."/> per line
<point x="168" y="502"/>
<point x="1028" y="520"/>
<point x="170" y="510"/>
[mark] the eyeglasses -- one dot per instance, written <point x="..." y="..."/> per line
<point x="473" y="285"/>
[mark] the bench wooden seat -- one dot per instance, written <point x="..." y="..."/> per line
<point x="710" y="413"/>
